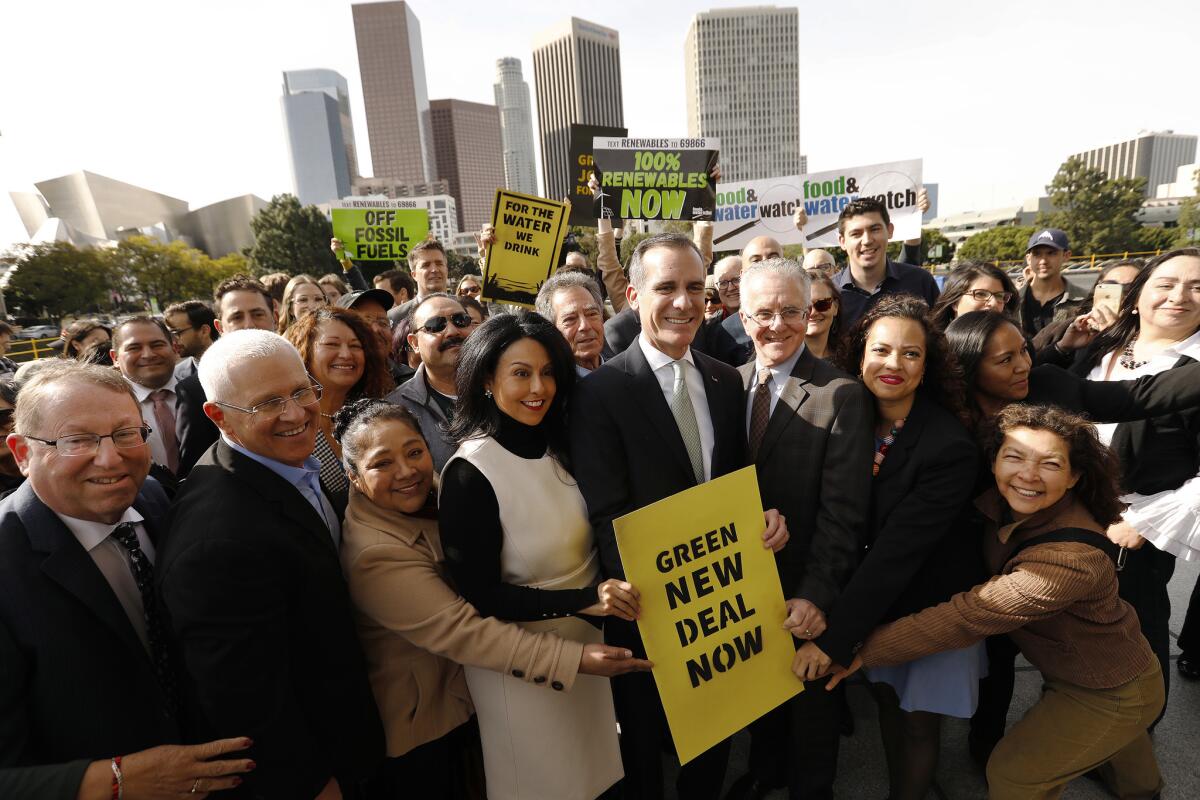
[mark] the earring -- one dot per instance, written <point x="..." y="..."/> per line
<point x="487" y="393"/>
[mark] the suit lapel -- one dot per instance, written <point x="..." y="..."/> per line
<point x="70" y="566"/>
<point x="908" y="437"/>
<point x="791" y="398"/>
<point x="648" y="395"/>
<point x="716" y="411"/>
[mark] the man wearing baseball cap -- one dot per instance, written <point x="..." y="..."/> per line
<point x="373" y="305"/>
<point x="1046" y="293"/>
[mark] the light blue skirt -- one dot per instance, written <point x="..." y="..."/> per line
<point x="943" y="683"/>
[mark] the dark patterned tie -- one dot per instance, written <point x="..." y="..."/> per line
<point x="143" y="575"/>
<point x="760" y="411"/>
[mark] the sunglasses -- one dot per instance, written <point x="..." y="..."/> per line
<point x="461" y="320"/>
<point x="823" y="304"/>
<point x="712" y="298"/>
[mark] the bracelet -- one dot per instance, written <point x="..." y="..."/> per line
<point x="118" y="784"/>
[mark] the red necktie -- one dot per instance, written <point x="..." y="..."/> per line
<point x="165" y="422"/>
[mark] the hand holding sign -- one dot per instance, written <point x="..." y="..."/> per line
<point x="805" y="620"/>
<point x="776" y="535"/>
<point x="616" y="598"/>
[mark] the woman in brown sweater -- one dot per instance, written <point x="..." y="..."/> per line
<point x="1055" y="593"/>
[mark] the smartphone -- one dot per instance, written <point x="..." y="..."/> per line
<point x="1109" y="296"/>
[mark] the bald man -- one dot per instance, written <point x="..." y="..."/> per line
<point x="730" y="342"/>
<point x="821" y="260"/>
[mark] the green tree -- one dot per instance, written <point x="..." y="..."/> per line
<point x="55" y="279"/>
<point x="1146" y="239"/>
<point x="162" y="274"/>
<point x="1188" y="232"/>
<point x="291" y="238"/>
<point x="1004" y="243"/>
<point x="1099" y="214"/>
<point x="931" y="239"/>
<point x="628" y="242"/>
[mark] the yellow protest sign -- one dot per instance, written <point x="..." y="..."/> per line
<point x="712" y="609"/>
<point x="529" y="233"/>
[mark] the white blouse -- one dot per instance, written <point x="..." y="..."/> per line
<point x="1169" y="520"/>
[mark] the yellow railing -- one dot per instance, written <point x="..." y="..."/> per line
<point x="1092" y="260"/>
<point x="32" y="349"/>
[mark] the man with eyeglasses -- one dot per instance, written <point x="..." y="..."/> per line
<point x="729" y="341"/>
<point x="440" y="325"/>
<point x="89" y="700"/>
<point x="809" y="436"/>
<point x="192" y="323"/>
<point x="250" y="576"/>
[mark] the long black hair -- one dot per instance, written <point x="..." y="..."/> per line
<point x="968" y="335"/>
<point x="959" y="281"/>
<point x="476" y="415"/>
<point x="1125" y="329"/>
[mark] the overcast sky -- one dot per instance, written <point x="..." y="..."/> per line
<point x="183" y="98"/>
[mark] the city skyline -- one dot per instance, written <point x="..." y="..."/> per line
<point x="966" y="89"/>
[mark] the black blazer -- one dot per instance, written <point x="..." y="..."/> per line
<point x="76" y="683"/>
<point x="1168" y="392"/>
<point x="622" y="330"/>
<point x="194" y="431"/>
<point x="918" y="553"/>
<point x="626" y="449"/>
<point x="253" y="587"/>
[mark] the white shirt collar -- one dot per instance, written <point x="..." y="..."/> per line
<point x="1189" y="347"/>
<point x="656" y="358"/>
<point x="779" y="372"/>
<point x="142" y="392"/>
<point x="91" y="534"/>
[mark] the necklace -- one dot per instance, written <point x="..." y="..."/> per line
<point x="1127" y="360"/>
<point x="884" y="445"/>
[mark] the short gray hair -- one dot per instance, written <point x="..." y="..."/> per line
<point x="726" y="260"/>
<point x="671" y="241"/>
<point x="32" y="393"/>
<point x="234" y="348"/>
<point x="564" y="280"/>
<point x="784" y="267"/>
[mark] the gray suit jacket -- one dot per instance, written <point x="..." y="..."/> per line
<point x="814" y="465"/>
<point x="413" y="394"/>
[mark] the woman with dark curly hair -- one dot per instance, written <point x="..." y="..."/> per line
<point x="345" y="355"/>
<point x="975" y="286"/>
<point x="1054" y="591"/>
<point x="519" y="546"/>
<point x="918" y="551"/>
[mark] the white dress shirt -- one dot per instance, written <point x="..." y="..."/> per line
<point x="779" y="378"/>
<point x="112" y="559"/>
<point x="1170" y="520"/>
<point x="158" y="450"/>
<point x="661" y="363"/>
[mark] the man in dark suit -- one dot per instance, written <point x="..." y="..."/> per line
<point x="657" y="419"/>
<point x="809" y="428"/>
<point x="87" y="682"/>
<point x="250" y="577"/>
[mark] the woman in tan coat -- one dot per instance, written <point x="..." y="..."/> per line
<point x="415" y="628"/>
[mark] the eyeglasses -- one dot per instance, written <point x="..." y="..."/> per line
<point x="177" y="332"/>
<point x="823" y="305"/>
<point x="469" y="290"/>
<point x="271" y="409"/>
<point x="788" y="315"/>
<point x="712" y="299"/>
<point x="730" y="283"/>
<point x="983" y="295"/>
<point x="461" y="320"/>
<point x="84" y="444"/>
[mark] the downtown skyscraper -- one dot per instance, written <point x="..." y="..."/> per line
<point x="742" y="69"/>
<point x="516" y="126"/>
<point x="320" y="134"/>
<point x="467" y="153"/>
<point x="391" y="65"/>
<point x="577" y="77"/>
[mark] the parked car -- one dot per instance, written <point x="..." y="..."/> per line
<point x="37" y="332"/>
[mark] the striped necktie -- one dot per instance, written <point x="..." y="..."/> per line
<point x="685" y="419"/>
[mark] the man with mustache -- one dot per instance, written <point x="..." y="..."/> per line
<point x="440" y="325"/>
<point x="142" y="351"/>
<point x="571" y="300"/>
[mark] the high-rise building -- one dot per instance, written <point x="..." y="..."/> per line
<point x="320" y="134"/>
<point x="516" y="126"/>
<point x="742" y="69"/>
<point x="391" y="66"/>
<point x="394" y="189"/>
<point x="467" y="151"/>
<point x="577" y="77"/>
<point x="1153" y="155"/>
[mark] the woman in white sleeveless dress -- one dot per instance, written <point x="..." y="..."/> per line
<point x="519" y="546"/>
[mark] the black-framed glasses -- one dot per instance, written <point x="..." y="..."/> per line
<point x="823" y="305"/>
<point x="789" y="315"/>
<point x="177" y="332"/>
<point x="730" y="283"/>
<point x="461" y="320"/>
<point x="270" y="409"/>
<point x="983" y="295"/>
<point x="469" y="289"/>
<point x="712" y="299"/>
<point x="84" y="444"/>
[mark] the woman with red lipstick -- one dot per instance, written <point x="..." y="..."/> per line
<point x="917" y="554"/>
<point x="519" y="546"/>
<point x="1054" y="590"/>
<point x="1157" y="330"/>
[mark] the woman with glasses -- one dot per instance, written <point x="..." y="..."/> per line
<point x="975" y="286"/>
<point x="918" y="552"/>
<point x="469" y="286"/>
<point x="520" y="547"/>
<point x="334" y="288"/>
<point x="345" y="357"/>
<point x="824" y="315"/>
<point x="301" y="296"/>
<point x="713" y="307"/>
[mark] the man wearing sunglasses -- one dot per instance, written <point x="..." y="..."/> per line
<point x="250" y="576"/>
<point x="440" y="325"/>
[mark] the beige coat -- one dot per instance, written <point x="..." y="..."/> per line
<point x="416" y="630"/>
